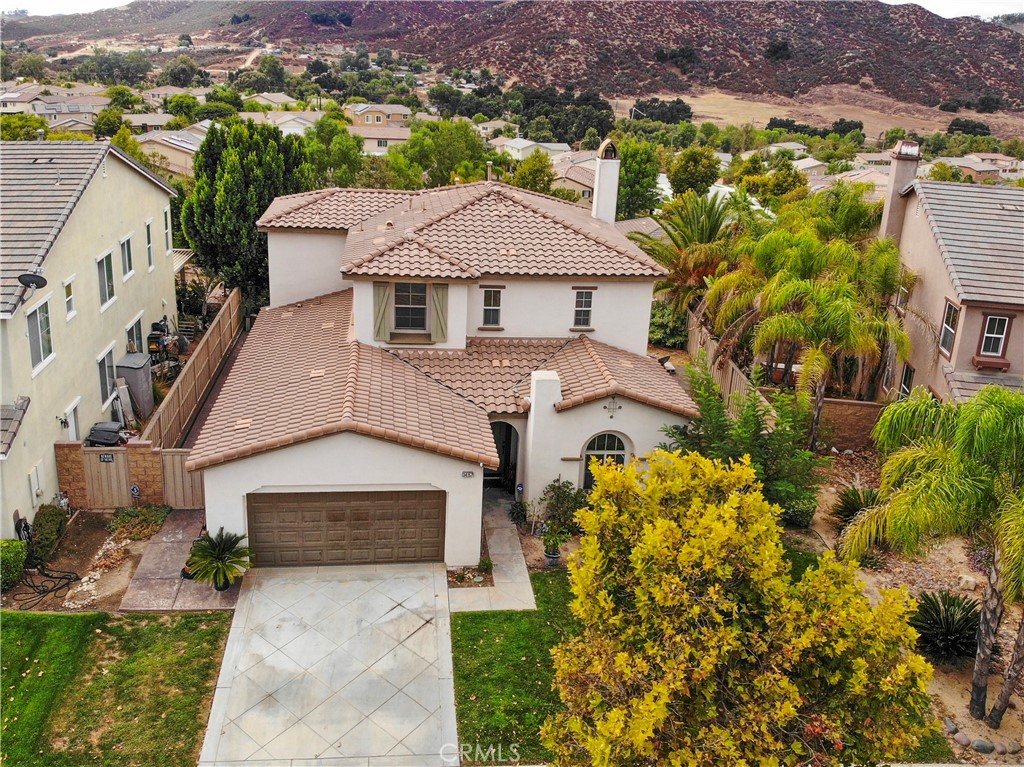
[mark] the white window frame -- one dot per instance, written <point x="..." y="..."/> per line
<point x="149" y="245"/>
<point x="603" y="454"/>
<point x="136" y="320"/>
<point x="947" y="335"/>
<point x="583" y="302"/>
<point x="382" y="143"/>
<point x="902" y="298"/>
<point x="395" y="306"/>
<point x="494" y="308"/>
<point x="905" y="386"/>
<point x="985" y="335"/>
<point x="71" y="415"/>
<point x="113" y="377"/>
<point x="109" y="283"/>
<point x="70" y="312"/>
<point x="167" y="230"/>
<point x="34" y="314"/>
<point x="127" y="264"/>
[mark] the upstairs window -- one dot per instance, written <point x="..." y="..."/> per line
<point x="127" y="265"/>
<point x="492" y="307"/>
<point x="167" y="229"/>
<point x="105" y="271"/>
<point x="993" y="340"/>
<point x="906" y="382"/>
<point x="69" y="299"/>
<point x="902" y="297"/>
<point x="410" y="307"/>
<point x="39" y="341"/>
<point x="950" y="317"/>
<point x="149" y="244"/>
<point x="584" y="309"/>
<point x="105" y="365"/>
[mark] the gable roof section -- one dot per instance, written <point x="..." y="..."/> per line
<point x="964" y="384"/>
<point x="328" y="208"/>
<point x="300" y="375"/>
<point x="979" y="230"/>
<point x="500" y="230"/>
<point x="41" y="183"/>
<point x="581" y="175"/>
<point x="413" y="257"/>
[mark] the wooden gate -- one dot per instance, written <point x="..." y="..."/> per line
<point x="182" y="489"/>
<point x="106" y="477"/>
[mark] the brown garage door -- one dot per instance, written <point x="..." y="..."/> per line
<point x="346" y="528"/>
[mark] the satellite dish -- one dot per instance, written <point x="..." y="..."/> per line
<point x="34" y="281"/>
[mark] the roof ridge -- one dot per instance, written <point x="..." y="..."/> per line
<point x="455" y="261"/>
<point x="351" y="348"/>
<point x="308" y="198"/>
<point x="546" y="360"/>
<point x="394" y="354"/>
<point x="507" y="192"/>
<point x="599" y="363"/>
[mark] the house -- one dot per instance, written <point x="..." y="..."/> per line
<point x="1010" y="168"/>
<point x="72" y="125"/>
<point x="521" y="148"/>
<point x="176" y="148"/>
<point x="418" y="345"/>
<point x="156" y="96"/>
<point x="973" y="169"/>
<point x="575" y="171"/>
<point x="23" y="99"/>
<point x="965" y="243"/>
<point x="275" y="100"/>
<point x="791" y="146"/>
<point x="149" y="122"/>
<point x="810" y="167"/>
<point x="290" y="123"/>
<point x="377" y="139"/>
<point x="875" y="176"/>
<point x="377" y="114"/>
<point x="95" y="226"/>
<point x="724" y="161"/>
<point x="56" y="108"/>
<point x="873" y="158"/>
<point x="488" y="128"/>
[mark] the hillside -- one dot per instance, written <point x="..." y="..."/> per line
<point x="903" y="52"/>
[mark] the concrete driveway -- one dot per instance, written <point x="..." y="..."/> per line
<point x="342" y="665"/>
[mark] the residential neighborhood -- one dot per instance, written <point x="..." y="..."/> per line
<point x="364" y="406"/>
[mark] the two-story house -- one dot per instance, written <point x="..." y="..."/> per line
<point x="965" y="243"/>
<point x="96" y="227"/>
<point x="418" y="344"/>
<point x="377" y="114"/>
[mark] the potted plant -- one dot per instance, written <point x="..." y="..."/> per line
<point x="553" y="538"/>
<point x="219" y="560"/>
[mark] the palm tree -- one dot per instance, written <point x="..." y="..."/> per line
<point x="953" y="469"/>
<point x="827" y="320"/>
<point x="693" y="245"/>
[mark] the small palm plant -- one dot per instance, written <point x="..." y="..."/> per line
<point x="947" y="626"/>
<point x="852" y="500"/>
<point x="219" y="560"/>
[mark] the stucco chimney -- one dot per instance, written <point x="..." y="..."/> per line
<point x="543" y="445"/>
<point x="902" y="171"/>
<point x="606" y="183"/>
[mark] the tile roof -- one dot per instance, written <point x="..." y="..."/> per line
<point x="498" y="230"/>
<point x="495" y="373"/>
<point x="300" y="375"/>
<point x="413" y="257"/>
<point x="329" y="208"/>
<point x="964" y="384"/>
<point x="11" y="417"/>
<point x="179" y="139"/>
<point x="40" y="185"/>
<point x="646" y="225"/>
<point x="389" y="131"/>
<point x="980" y="233"/>
<point x="581" y="175"/>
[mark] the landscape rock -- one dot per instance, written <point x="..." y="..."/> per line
<point x="1000" y="749"/>
<point x="967" y="583"/>
<point x="847" y="452"/>
<point x="983" y="746"/>
<point x="1013" y="748"/>
<point x="950" y="726"/>
<point x="835" y="450"/>
<point x="962" y="739"/>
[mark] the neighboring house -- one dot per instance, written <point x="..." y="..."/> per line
<point x="521" y="148"/>
<point x="965" y="243"/>
<point x="487" y="129"/>
<point x="377" y="139"/>
<point x="810" y="167"/>
<point x="974" y="169"/>
<point x="578" y="178"/>
<point x="377" y="114"/>
<point x="55" y="108"/>
<point x="22" y="100"/>
<point x="149" y="122"/>
<point x="275" y="100"/>
<point x="177" y="148"/>
<point x="876" y="176"/>
<point x="499" y="142"/>
<point x="290" y="123"/>
<point x="873" y="158"/>
<point x="1010" y="168"/>
<point x="419" y="344"/>
<point x="72" y="125"/>
<point x="724" y="161"/>
<point x="793" y="146"/>
<point x="96" y="226"/>
<point x="157" y="96"/>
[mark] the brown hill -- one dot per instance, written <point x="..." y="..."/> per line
<point x="903" y="51"/>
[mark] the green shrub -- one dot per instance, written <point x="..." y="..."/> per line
<point x="139" y="523"/>
<point x="49" y="523"/>
<point x="561" y="501"/>
<point x="486" y="565"/>
<point x="12" y="563"/>
<point x="667" y="330"/>
<point x="517" y="513"/>
<point x="947" y="625"/>
<point x="852" y="501"/>
<point x="799" y="512"/>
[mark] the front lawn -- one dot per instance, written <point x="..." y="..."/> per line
<point x="503" y="671"/>
<point x="93" y="688"/>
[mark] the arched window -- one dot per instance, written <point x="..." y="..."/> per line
<point x="603" y="447"/>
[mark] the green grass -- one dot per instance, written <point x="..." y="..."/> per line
<point x="503" y="670"/>
<point x="111" y="690"/>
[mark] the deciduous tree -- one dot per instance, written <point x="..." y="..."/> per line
<point x="695" y="168"/>
<point x="638" y="179"/>
<point x="535" y="173"/>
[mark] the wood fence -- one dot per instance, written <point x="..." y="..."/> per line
<point x="168" y="424"/>
<point x="727" y="374"/>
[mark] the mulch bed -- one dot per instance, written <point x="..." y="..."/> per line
<point x="466" y="577"/>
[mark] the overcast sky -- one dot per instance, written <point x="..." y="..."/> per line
<point x="947" y="8"/>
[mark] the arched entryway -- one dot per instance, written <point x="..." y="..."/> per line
<point x="506" y="440"/>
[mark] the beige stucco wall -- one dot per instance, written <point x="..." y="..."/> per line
<point x="585" y="192"/>
<point x="305" y="264"/>
<point x="362" y="309"/>
<point x="116" y="204"/>
<point x="352" y="462"/>
<point x="179" y="162"/>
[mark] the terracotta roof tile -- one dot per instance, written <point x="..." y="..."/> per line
<point x="296" y="380"/>
<point x="415" y="258"/>
<point x="329" y="208"/>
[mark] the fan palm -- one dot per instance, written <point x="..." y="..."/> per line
<point x="692" y="245"/>
<point x="953" y="469"/>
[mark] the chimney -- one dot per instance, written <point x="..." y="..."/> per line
<point x="606" y="183"/>
<point x="543" y="446"/>
<point x="902" y="171"/>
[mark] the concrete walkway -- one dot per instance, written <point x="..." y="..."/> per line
<point x="336" y="666"/>
<point x="157" y="585"/>
<point x="512" y="589"/>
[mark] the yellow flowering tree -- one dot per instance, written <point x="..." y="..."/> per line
<point x="698" y="649"/>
